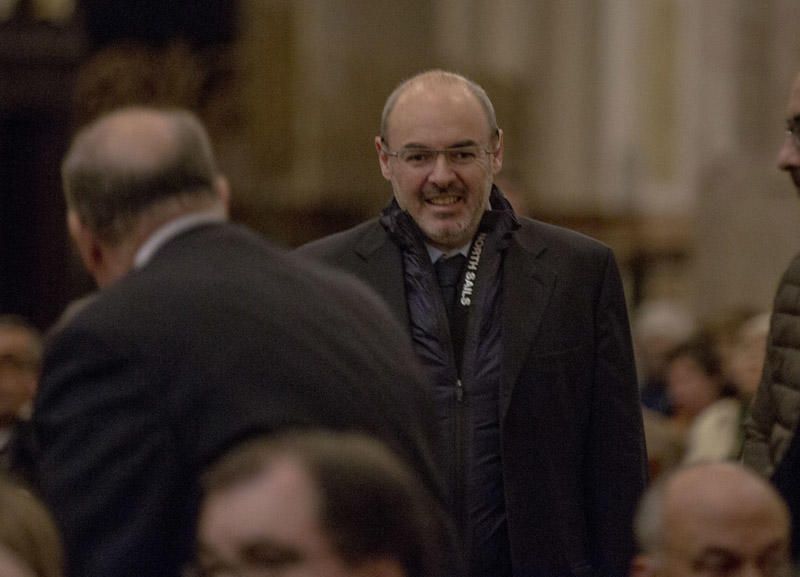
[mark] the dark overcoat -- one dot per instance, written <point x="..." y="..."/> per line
<point x="573" y="452"/>
<point x="219" y="337"/>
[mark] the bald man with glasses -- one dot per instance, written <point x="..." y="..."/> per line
<point x="523" y="330"/>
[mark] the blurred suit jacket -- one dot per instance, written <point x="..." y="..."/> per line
<point x="219" y="337"/>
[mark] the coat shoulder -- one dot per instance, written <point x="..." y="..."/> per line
<point x="536" y="235"/>
<point x="366" y="236"/>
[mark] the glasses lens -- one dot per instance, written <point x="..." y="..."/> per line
<point x="460" y="156"/>
<point x="417" y="156"/>
<point x="463" y="154"/>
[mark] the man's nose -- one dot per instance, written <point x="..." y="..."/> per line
<point x="788" y="154"/>
<point x="441" y="172"/>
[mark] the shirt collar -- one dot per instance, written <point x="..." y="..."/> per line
<point x="436" y="253"/>
<point x="172" y="229"/>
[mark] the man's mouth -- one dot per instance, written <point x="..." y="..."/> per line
<point x="443" y="200"/>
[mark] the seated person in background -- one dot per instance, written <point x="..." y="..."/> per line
<point x="665" y="443"/>
<point x="30" y="544"/>
<point x="748" y="355"/>
<point x="723" y="328"/>
<point x="20" y="364"/>
<point x="705" y="407"/>
<point x="659" y="325"/>
<point x="315" y="504"/>
<point x="713" y="519"/>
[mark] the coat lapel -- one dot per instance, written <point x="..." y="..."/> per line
<point x="527" y="288"/>
<point x="382" y="269"/>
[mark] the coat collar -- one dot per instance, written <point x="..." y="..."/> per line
<point x="383" y="269"/>
<point x="528" y="283"/>
<point x="528" y="286"/>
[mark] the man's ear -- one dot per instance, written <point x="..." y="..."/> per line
<point x="381" y="567"/>
<point x="223" y="190"/>
<point x="497" y="157"/>
<point x="383" y="158"/>
<point x="643" y="566"/>
<point x="86" y="242"/>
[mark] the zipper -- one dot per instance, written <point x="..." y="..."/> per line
<point x="459" y="488"/>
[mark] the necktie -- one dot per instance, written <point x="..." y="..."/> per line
<point x="448" y="271"/>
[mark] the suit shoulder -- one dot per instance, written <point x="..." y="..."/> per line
<point x="334" y="245"/>
<point x="559" y="238"/>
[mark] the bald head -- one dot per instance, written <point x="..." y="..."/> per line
<point x="709" y="514"/>
<point x="429" y="81"/>
<point x="131" y="159"/>
<point x="130" y="139"/>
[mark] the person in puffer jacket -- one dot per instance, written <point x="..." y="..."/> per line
<point x="771" y="444"/>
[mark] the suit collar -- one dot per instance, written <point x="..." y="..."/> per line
<point x="383" y="269"/>
<point x="171" y="229"/>
<point x="528" y="285"/>
<point x="372" y="241"/>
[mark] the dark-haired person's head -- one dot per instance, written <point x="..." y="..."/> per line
<point x="316" y="503"/>
<point x="694" y="377"/>
<point x="20" y="364"/>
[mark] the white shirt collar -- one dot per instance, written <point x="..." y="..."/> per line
<point x="436" y="253"/>
<point x="172" y="229"/>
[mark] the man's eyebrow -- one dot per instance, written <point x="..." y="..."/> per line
<point x="266" y="551"/>
<point x="716" y="551"/>
<point x="715" y="555"/>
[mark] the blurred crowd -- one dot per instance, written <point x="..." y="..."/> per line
<point x="698" y="377"/>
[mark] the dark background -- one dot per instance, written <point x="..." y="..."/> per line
<point x="39" y="66"/>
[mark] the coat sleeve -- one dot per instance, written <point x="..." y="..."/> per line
<point x="616" y="467"/>
<point x="758" y="424"/>
<point x="102" y="459"/>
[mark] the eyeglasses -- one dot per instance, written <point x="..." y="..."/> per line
<point x="417" y="157"/>
<point x="220" y="570"/>
<point x="793" y="130"/>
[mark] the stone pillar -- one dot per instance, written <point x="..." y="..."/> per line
<point x="747" y="216"/>
<point x="317" y="103"/>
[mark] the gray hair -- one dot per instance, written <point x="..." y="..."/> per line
<point x="650" y="520"/>
<point x="112" y="176"/>
<point x="441" y="77"/>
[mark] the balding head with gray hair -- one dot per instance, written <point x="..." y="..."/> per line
<point x="440" y="77"/>
<point x="707" y="515"/>
<point x="129" y="173"/>
<point x="133" y="159"/>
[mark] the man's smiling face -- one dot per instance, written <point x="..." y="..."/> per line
<point x="446" y="199"/>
